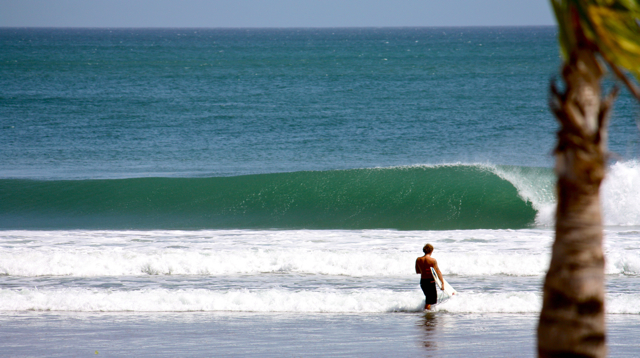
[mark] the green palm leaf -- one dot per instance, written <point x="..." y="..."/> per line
<point x="612" y="27"/>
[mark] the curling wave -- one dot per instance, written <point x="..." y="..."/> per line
<point x="420" y="197"/>
<point x="441" y="197"/>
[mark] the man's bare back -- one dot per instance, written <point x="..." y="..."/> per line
<point x="423" y="267"/>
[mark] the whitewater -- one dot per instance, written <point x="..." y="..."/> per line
<point x="316" y="271"/>
<point x="313" y="271"/>
<point x="619" y="192"/>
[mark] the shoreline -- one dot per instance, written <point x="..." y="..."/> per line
<point x="436" y="334"/>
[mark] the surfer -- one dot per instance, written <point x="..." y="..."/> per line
<point x="427" y="282"/>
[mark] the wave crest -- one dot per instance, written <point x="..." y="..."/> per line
<point x="421" y="197"/>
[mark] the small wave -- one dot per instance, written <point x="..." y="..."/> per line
<point x="278" y="300"/>
<point x="161" y="300"/>
<point x="374" y="263"/>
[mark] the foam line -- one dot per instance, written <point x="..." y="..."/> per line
<point x="109" y="262"/>
<point x="278" y="300"/>
<point x="374" y="253"/>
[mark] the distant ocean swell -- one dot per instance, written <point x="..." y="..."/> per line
<point x="442" y="197"/>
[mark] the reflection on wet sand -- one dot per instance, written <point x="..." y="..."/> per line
<point x="429" y="323"/>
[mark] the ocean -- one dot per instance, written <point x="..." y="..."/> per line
<point x="241" y="192"/>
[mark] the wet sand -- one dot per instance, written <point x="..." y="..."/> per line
<point x="200" y="334"/>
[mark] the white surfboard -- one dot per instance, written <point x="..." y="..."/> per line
<point x="447" y="287"/>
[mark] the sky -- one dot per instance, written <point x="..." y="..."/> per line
<point x="273" y="13"/>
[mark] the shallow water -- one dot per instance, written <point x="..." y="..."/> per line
<point x="305" y="271"/>
<point x="285" y="335"/>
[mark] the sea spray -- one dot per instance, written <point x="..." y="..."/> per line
<point x="621" y="194"/>
<point x="534" y="185"/>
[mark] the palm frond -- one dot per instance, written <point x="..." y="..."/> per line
<point x="611" y="26"/>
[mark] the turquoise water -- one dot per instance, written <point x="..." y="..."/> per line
<point x="78" y="103"/>
<point x="441" y="197"/>
<point x="81" y="104"/>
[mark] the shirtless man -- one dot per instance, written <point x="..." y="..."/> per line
<point x="427" y="282"/>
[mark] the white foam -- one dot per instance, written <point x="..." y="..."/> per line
<point x="620" y="192"/>
<point x="344" y="253"/>
<point x="160" y="300"/>
<point x="96" y="264"/>
<point x="625" y="262"/>
<point x="502" y="302"/>
<point x="279" y="300"/>
<point x="109" y="262"/>
<point x="623" y="303"/>
<point x="534" y="185"/>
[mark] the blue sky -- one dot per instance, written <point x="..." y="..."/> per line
<point x="273" y="13"/>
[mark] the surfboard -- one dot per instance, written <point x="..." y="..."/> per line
<point x="447" y="287"/>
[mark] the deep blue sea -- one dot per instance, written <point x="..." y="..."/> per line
<point x="254" y="180"/>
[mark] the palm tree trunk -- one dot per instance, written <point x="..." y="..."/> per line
<point x="572" y="320"/>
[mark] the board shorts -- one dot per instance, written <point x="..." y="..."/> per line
<point x="428" y="286"/>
